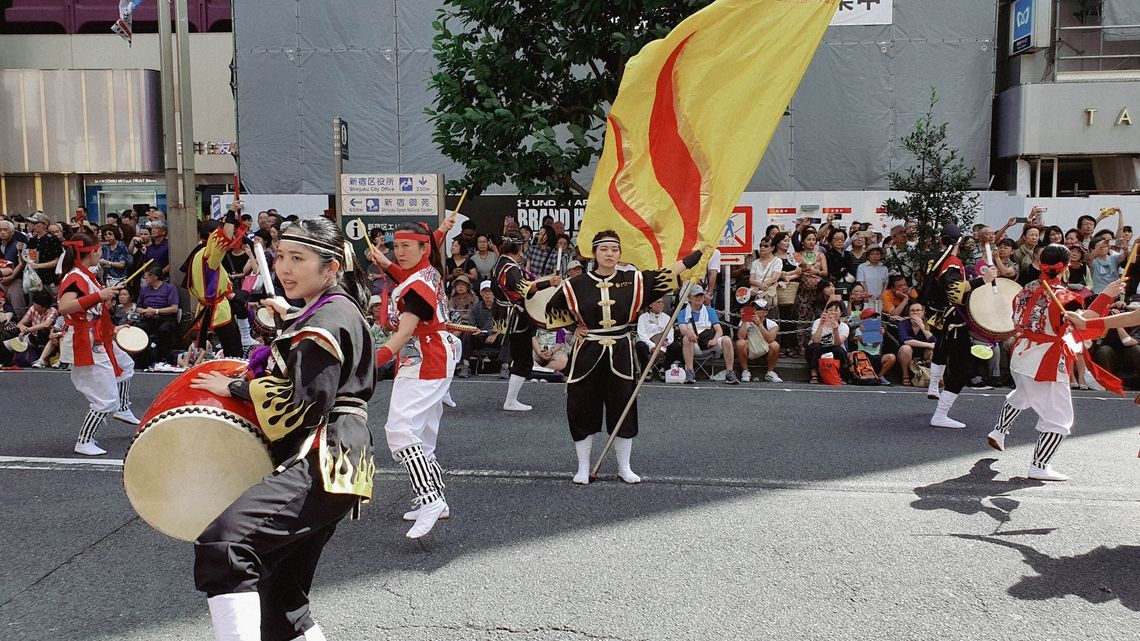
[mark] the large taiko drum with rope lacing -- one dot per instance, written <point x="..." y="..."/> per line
<point x="989" y="311"/>
<point x="194" y="454"/>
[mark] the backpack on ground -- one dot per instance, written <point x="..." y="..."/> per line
<point x="862" y="370"/>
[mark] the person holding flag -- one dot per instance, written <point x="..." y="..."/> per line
<point x="604" y="304"/>
<point x="1052" y="325"/>
<point x="693" y="116"/>
<point x="210" y="284"/>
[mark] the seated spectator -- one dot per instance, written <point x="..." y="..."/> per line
<point x="35" y="327"/>
<point x="700" y="333"/>
<point x="869" y="340"/>
<point x="486" y="341"/>
<point x="1007" y="267"/>
<point x="550" y="348"/>
<point x="157" y="310"/>
<point x="458" y="264"/>
<point x="1079" y="277"/>
<point x="758" y="337"/>
<point x="574" y="268"/>
<point x="914" y="338"/>
<point x="896" y="299"/>
<point x="859" y="299"/>
<point x="460" y="304"/>
<point x="484" y="257"/>
<point x="52" y="346"/>
<point x="650" y="325"/>
<point x="1119" y="353"/>
<point x="828" y="334"/>
<point x="115" y="256"/>
<point x="124" y="312"/>
<point x="873" y="273"/>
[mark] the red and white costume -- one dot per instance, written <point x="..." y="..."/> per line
<point x="424" y="366"/>
<point x="98" y="366"/>
<point x="1044" y="351"/>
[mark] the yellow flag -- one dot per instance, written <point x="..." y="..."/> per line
<point x="693" y="115"/>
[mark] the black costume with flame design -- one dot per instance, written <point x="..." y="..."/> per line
<point x="312" y="406"/>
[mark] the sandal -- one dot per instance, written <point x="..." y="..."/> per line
<point x="815" y="379"/>
<point x="906" y="381"/>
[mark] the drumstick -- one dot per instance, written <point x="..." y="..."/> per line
<point x="263" y="269"/>
<point x="1053" y="296"/>
<point x="458" y="206"/>
<point x="138" y="271"/>
<point x="990" y="262"/>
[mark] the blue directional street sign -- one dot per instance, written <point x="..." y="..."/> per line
<point x="372" y="205"/>
<point x="406" y="183"/>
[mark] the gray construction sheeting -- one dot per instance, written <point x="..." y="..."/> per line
<point x="302" y="63"/>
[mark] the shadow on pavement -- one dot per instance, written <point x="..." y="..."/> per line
<point x="1097" y="576"/>
<point x="976" y="492"/>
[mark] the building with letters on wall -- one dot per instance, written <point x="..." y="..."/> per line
<point x="1042" y="106"/>
<point x="82" y="110"/>
<point x="1068" y="103"/>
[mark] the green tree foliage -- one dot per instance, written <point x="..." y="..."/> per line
<point x="938" y="187"/>
<point x="523" y="88"/>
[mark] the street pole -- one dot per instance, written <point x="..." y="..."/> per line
<point x="169" y="126"/>
<point x="338" y="169"/>
<point x="187" y="224"/>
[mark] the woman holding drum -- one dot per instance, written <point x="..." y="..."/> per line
<point x="1051" y="327"/>
<point x="100" y="370"/>
<point x="256" y="560"/>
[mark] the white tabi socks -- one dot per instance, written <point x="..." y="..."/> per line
<point x="512" y="403"/>
<point x="447" y="400"/>
<point x="582" y="448"/>
<point x="622" y="449"/>
<point x="940" y="418"/>
<point x="936" y="372"/>
<point x="236" y="617"/>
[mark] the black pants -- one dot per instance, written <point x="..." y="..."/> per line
<point x="269" y="541"/>
<point x="813" y="351"/>
<point x="161" y="331"/>
<point x="520" y="351"/>
<point x="228" y="334"/>
<point x="672" y="354"/>
<point x="953" y="351"/>
<point x="600" y="392"/>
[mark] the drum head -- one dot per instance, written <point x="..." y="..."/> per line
<point x="131" y="340"/>
<point x="536" y="305"/>
<point x="189" y="464"/>
<point x="991" y="308"/>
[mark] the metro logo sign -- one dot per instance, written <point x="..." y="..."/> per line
<point x="1029" y="23"/>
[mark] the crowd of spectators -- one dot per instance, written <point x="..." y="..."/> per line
<point x="812" y="294"/>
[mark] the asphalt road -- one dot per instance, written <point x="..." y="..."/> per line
<point x="767" y="512"/>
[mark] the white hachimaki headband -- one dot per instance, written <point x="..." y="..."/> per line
<point x="607" y="239"/>
<point x="344" y="254"/>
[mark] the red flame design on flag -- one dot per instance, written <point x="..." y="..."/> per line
<point x="673" y="163"/>
<point x="674" y="166"/>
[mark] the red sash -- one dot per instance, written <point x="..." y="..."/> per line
<point x="1058" y="348"/>
<point x="81" y="327"/>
